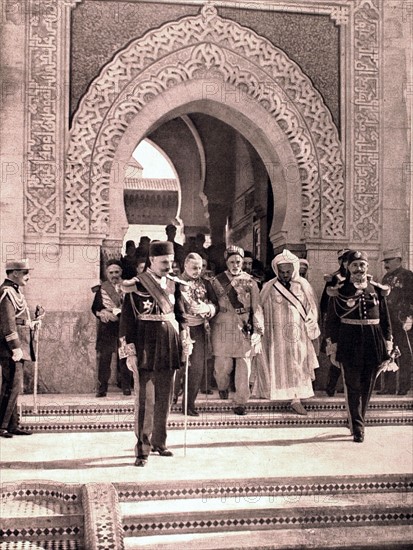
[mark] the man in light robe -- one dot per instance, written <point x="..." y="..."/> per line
<point x="288" y="360"/>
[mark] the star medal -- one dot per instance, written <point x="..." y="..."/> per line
<point x="351" y="302"/>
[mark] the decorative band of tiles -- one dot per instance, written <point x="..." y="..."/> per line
<point x="33" y="490"/>
<point x="55" y="544"/>
<point x="205" y="406"/>
<point x="280" y="521"/>
<point x="103" y="525"/>
<point x="41" y="533"/>
<point x="129" y="492"/>
<point x="243" y="422"/>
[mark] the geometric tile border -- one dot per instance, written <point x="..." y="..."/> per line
<point x="58" y="516"/>
<point x="264" y="487"/>
<point x="103" y="528"/>
<point x="211" y="423"/>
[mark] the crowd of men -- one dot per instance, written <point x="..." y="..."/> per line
<point x="173" y="316"/>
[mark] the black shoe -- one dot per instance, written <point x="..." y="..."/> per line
<point x="223" y="394"/>
<point x="206" y="392"/>
<point x="127" y="392"/>
<point x="101" y="394"/>
<point x="402" y="392"/>
<point x="20" y="431"/>
<point x="384" y="392"/>
<point x="190" y="412"/>
<point x="330" y="392"/>
<point x="358" y="438"/>
<point x="162" y="452"/>
<point x="141" y="461"/>
<point x="5" y="434"/>
<point x="240" y="411"/>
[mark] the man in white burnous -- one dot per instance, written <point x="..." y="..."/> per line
<point x="288" y="360"/>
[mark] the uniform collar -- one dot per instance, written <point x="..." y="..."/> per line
<point x="9" y="282"/>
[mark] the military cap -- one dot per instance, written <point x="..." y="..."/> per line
<point x="342" y="253"/>
<point x="161" y="248"/>
<point x="357" y="256"/>
<point x="18" y="265"/>
<point x="232" y="249"/>
<point x="392" y="253"/>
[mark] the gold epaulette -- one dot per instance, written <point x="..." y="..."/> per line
<point x="384" y="289"/>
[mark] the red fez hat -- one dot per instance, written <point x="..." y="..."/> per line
<point x="161" y="248"/>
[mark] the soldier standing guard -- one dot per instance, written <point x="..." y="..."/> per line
<point x="400" y="303"/>
<point x="359" y="335"/>
<point x="16" y="344"/>
<point x="152" y="324"/>
<point x="237" y="328"/>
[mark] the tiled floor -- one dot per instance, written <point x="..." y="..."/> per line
<point x="210" y="454"/>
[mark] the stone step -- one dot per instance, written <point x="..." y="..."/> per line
<point x="64" y="414"/>
<point x="35" y="515"/>
<point x="393" y="537"/>
<point x="318" y="512"/>
<point x="222" y="419"/>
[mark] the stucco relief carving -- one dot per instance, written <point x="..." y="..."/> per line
<point x="41" y="169"/>
<point x="190" y="48"/>
<point x="366" y="197"/>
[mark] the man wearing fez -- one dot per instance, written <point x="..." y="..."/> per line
<point x="106" y="307"/>
<point x="152" y="330"/>
<point x="400" y="302"/>
<point x="200" y="305"/>
<point x="236" y="329"/>
<point x="16" y="344"/>
<point x="359" y="335"/>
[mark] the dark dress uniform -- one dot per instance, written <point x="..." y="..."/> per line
<point x="195" y="292"/>
<point x="108" y="298"/>
<point x="358" y="322"/>
<point x="152" y="325"/>
<point x="15" y="332"/>
<point x="400" y="303"/>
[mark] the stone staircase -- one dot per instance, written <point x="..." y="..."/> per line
<point x="117" y="414"/>
<point x="348" y="512"/>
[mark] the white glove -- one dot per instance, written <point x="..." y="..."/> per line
<point x="389" y="346"/>
<point x="132" y="363"/>
<point x="202" y="309"/>
<point x="36" y="324"/>
<point x="255" y="339"/>
<point x="407" y="325"/>
<point x="17" y="355"/>
<point x="187" y="343"/>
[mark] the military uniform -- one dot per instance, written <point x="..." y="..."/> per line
<point x="152" y="316"/>
<point x="358" y="327"/>
<point x="400" y="303"/>
<point x="15" y="333"/>
<point x="195" y="292"/>
<point x="109" y="298"/>
<point x="239" y="317"/>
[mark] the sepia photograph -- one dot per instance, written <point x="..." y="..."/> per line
<point x="206" y="297"/>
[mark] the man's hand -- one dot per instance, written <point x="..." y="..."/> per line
<point x="17" y="355"/>
<point x="37" y="324"/>
<point x="407" y="325"/>
<point x="132" y="363"/>
<point x="331" y="351"/>
<point x="187" y="343"/>
<point x="105" y="316"/>
<point x="389" y="346"/>
<point x="202" y="309"/>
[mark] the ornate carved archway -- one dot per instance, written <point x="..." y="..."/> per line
<point x="207" y="49"/>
